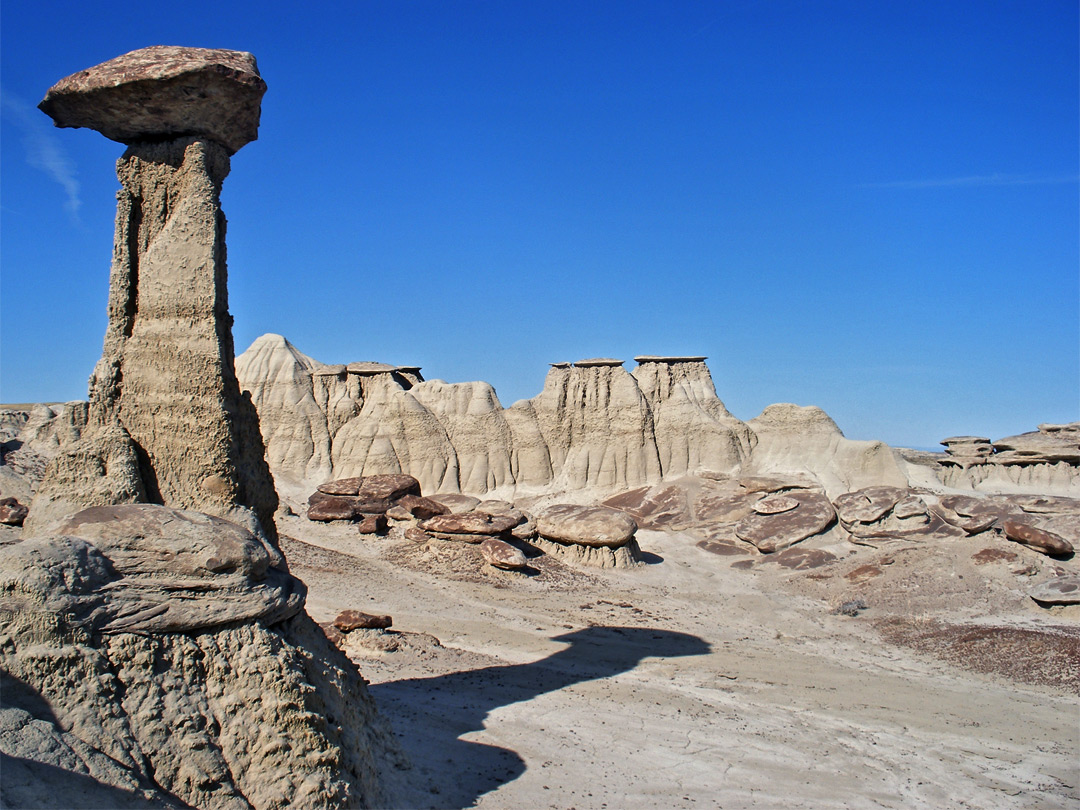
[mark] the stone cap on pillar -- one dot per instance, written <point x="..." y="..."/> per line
<point x="164" y="92"/>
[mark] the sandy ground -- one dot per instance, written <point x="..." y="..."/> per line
<point x="690" y="683"/>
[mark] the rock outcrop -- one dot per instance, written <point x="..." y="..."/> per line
<point x="590" y="535"/>
<point x="594" y="427"/>
<point x="166" y="421"/>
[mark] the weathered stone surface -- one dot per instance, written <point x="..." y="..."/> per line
<point x="885" y="513"/>
<point x="725" y="548"/>
<point x="863" y="573"/>
<point x="398" y="513"/>
<point x="524" y="531"/>
<point x="771" y="533"/>
<point x="775" y="505"/>
<point x="479" y="524"/>
<point x="658" y="507"/>
<point x="156" y="569"/>
<point x="501" y="554"/>
<point x="1035" y="538"/>
<point x="456" y="502"/>
<point x="992" y="555"/>
<point x="164" y="92"/>
<point x="799" y="558"/>
<point x="1063" y="590"/>
<point x="586" y="525"/>
<point x="972" y="514"/>
<point x="349" y="620"/>
<point x="421" y="508"/>
<point x="373" y="487"/>
<point x="12" y="513"/>
<point x="1047" y="445"/>
<point x="371" y="524"/>
<point x="164" y="400"/>
<point x="334" y="508"/>
<point x="627" y="555"/>
<point x="417" y="535"/>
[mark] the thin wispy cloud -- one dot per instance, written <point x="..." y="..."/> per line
<point x="43" y="150"/>
<point x="979" y="180"/>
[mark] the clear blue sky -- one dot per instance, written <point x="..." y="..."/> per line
<point x="867" y="206"/>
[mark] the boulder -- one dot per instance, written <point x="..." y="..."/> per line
<point x="586" y="525"/>
<point x="1062" y="590"/>
<point x="371" y="524"/>
<point x="501" y="554"/>
<point x="334" y="508"/>
<point x="419" y="507"/>
<point x="468" y="527"/>
<point x="886" y="513"/>
<point x="349" y="620"/>
<point x="164" y="92"/>
<point x="774" y="532"/>
<point x="1035" y="538"/>
<point x="374" y="487"/>
<point x="973" y="514"/>
<point x="456" y="502"/>
<point x="12" y="513"/>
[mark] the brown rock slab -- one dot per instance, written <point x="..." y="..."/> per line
<point x="501" y="554"/>
<point x="334" y="508"/>
<point x="776" y="532"/>
<point x="420" y="507"/>
<point x="456" y="502"/>
<point x="1063" y="590"/>
<point x="1035" y="538"/>
<point x="867" y="505"/>
<point x="349" y="620"/>
<point x="371" y="524"/>
<point x="972" y="514"/>
<point x="661" y="507"/>
<point x="798" y="558"/>
<point x="586" y="525"/>
<point x="477" y="524"/>
<point x="417" y="535"/>
<point x="725" y="548"/>
<point x="12" y="513"/>
<point x="775" y="505"/>
<point x="164" y="92"/>
<point x="375" y="488"/>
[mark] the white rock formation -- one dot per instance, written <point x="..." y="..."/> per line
<point x="593" y="428"/>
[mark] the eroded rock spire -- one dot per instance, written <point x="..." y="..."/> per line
<point x="167" y="421"/>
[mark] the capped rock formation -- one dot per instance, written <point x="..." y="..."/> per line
<point x="166" y="422"/>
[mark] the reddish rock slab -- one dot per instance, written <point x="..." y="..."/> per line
<point x="164" y="92"/>
<point x="1035" y="538"/>
<point x="771" y="533"/>
<point x="479" y="524"/>
<point x="1063" y="590"/>
<point x="417" y="535"/>
<point x="992" y="555"/>
<point x="974" y="515"/>
<point x="371" y="524"/>
<point x="334" y="508"/>
<point x="456" y="502"/>
<point x="867" y="505"/>
<point x="717" y="503"/>
<point x="586" y="525"/>
<point x="349" y="620"/>
<point x="500" y="554"/>
<point x="12" y="513"/>
<point x="502" y="508"/>
<point x="335" y="636"/>
<point x="373" y="487"/>
<point x="775" y="505"/>
<point x="663" y="507"/>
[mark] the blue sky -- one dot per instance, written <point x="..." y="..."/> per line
<point x="870" y="207"/>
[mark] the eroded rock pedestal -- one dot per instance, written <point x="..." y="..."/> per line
<point x="167" y="422"/>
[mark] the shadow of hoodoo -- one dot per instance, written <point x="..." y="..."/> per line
<point x="432" y="714"/>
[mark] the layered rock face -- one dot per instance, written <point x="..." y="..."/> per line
<point x="1043" y="460"/>
<point x="594" y="425"/>
<point x="166" y="423"/>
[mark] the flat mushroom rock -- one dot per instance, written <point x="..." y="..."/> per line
<point x="329" y="371"/>
<point x="367" y="369"/>
<point x="595" y="362"/>
<point x="779" y="531"/>
<point x="972" y="514"/>
<point x="586" y="525"/>
<point x="775" y="505"/>
<point x="650" y="358"/>
<point x="164" y="92"/>
<point x="456" y="502"/>
<point x="469" y="527"/>
<point x="1063" y="590"/>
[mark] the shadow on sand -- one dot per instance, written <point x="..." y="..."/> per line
<point x="431" y="715"/>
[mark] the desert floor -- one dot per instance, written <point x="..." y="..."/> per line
<point x="688" y="682"/>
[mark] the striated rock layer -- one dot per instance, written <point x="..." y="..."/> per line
<point x="594" y="427"/>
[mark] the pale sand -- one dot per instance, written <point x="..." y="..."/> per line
<point x="685" y="683"/>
